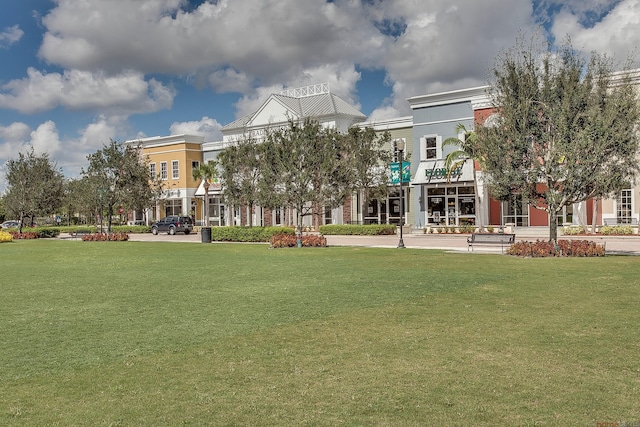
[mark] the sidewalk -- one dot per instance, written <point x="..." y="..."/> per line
<point x="624" y="245"/>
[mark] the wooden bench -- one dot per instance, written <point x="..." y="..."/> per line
<point x="490" y="239"/>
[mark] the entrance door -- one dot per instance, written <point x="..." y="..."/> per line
<point x="452" y="210"/>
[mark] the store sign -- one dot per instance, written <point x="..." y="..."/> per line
<point x="440" y="173"/>
<point x="436" y="171"/>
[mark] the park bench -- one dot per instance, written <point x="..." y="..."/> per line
<point x="80" y="232"/>
<point x="490" y="239"/>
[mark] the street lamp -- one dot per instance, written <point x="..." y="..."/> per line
<point x="400" y="148"/>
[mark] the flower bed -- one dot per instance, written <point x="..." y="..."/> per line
<point x="291" y="240"/>
<point x="568" y="248"/>
<point x="104" y="237"/>
<point x="5" y="237"/>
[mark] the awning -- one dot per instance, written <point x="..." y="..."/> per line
<point x="214" y="188"/>
<point x="435" y="172"/>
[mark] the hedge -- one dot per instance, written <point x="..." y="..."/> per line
<point x="360" y="230"/>
<point x="247" y="234"/>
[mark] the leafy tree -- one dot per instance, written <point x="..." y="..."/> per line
<point x="305" y="167"/>
<point x="206" y="172"/>
<point x="368" y="162"/>
<point x="34" y="186"/>
<point x="117" y="176"/>
<point x="240" y="172"/>
<point x="564" y="132"/>
<point x="465" y="149"/>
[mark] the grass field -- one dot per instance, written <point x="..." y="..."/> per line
<point x="134" y="333"/>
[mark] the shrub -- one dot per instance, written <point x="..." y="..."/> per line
<point x="359" y="230"/>
<point x="24" y="235"/>
<point x="616" y="230"/>
<point x="291" y="240"/>
<point x="569" y="248"/>
<point x="5" y="237"/>
<point x="490" y="229"/>
<point x="104" y="237"/>
<point x="247" y="234"/>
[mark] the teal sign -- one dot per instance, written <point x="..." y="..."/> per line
<point x="395" y="172"/>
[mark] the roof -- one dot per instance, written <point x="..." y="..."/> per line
<point x="320" y="105"/>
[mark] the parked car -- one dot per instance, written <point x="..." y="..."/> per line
<point x="173" y="224"/>
<point x="10" y="224"/>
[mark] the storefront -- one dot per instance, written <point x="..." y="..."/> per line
<point x="446" y="197"/>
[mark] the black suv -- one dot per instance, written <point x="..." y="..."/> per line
<point x="173" y="224"/>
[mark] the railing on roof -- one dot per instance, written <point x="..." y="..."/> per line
<point x="301" y="92"/>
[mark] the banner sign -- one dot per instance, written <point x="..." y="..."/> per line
<point x="395" y="172"/>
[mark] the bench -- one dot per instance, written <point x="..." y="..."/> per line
<point x="80" y="232"/>
<point x="490" y="239"/>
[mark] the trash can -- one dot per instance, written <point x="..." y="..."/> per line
<point x="205" y="232"/>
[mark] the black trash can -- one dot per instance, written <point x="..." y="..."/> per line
<point x="205" y="232"/>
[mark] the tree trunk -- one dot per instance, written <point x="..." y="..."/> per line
<point x="594" y="220"/>
<point x="553" y="226"/>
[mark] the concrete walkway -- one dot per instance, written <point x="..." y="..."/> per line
<point x="624" y="245"/>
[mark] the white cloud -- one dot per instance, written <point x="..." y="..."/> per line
<point x="615" y="34"/>
<point x="207" y="127"/>
<point x="10" y="36"/>
<point x="125" y="93"/>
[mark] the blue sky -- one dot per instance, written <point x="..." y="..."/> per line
<point x="76" y="73"/>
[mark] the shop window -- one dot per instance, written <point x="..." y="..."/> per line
<point x="173" y="207"/>
<point x="623" y="207"/>
<point x="515" y="211"/>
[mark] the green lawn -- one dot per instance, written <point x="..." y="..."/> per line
<point x="133" y="333"/>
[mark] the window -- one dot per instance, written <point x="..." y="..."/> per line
<point x="623" y="207"/>
<point x="163" y="170"/>
<point x="173" y="207"/>
<point x="194" y="165"/>
<point x="152" y="171"/>
<point x="175" y="169"/>
<point x="430" y="147"/>
<point x="516" y="212"/>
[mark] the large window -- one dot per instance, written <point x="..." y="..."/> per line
<point x="623" y="207"/>
<point x="173" y="207"/>
<point x="164" y="173"/>
<point x="152" y="171"/>
<point x="452" y="205"/>
<point x="175" y="169"/>
<point x="516" y="212"/>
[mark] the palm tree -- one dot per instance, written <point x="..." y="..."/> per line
<point x="206" y="172"/>
<point x="465" y="150"/>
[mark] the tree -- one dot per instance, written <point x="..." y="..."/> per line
<point x="565" y="129"/>
<point x="206" y="172"/>
<point x="118" y="176"/>
<point x="240" y="173"/>
<point x="305" y="167"/>
<point x="368" y="163"/>
<point x="34" y="186"/>
<point x="465" y="149"/>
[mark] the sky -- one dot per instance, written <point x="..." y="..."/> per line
<point x="75" y="74"/>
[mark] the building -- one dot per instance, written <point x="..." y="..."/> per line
<point x="387" y="211"/>
<point x="172" y="159"/>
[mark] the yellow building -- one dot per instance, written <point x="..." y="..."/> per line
<point x="172" y="160"/>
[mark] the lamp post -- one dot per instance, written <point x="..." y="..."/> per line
<point x="400" y="148"/>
